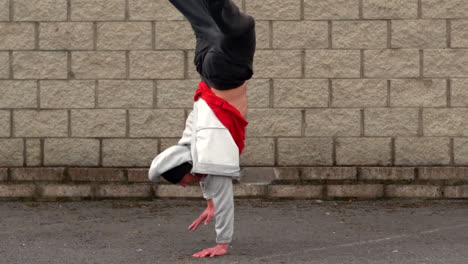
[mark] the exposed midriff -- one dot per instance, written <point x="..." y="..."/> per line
<point x="237" y="97"/>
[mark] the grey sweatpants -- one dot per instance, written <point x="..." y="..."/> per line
<point x="219" y="188"/>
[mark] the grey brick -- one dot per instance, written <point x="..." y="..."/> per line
<point x="96" y="174"/>
<point x="258" y="92"/>
<point x="386" y="173"/>
<point x="38" y="174"/>
<point x="98" y="64"/>
<point x="446" y="62"/>
<point x="390" y="9"/>
<point x="359" y="93"/>
<point x="459" y="35"/>
<point x="40" y="10"/>
<point x="4" y="65"/>
<point x="391" y="122"/>
<point x="273" y="122"/>
<point x="167" y="143"/>
<point x="257" y="175"/>
<point x="277" y="64"/>
<point x="329" y="173"/>
<point x="459" y="95"/>
<point x="304" y="151"/>
<point x="363" y="151"/>
<point x="156" y="123"/>
<point x="40" y="123"/>
<point x="176" y="191"/>
<point x="444" y="8"/>
<point x="249" y="190"/>
<point x="174" y="35"/>
<point x="16" y="36"/>
<point x="71" y="152"/>
<point x="295" y="191"/>
<point x="138" y="175"/>
<point x="284" y="173"/>
<point x="98" y="10"/>
<point x="128" y="152"/>
<point x="153" y="10"/>
<point x="124" y="35"/>
<point x="274" y="9"/>
<point x="17" y="190"/>
<point x="332" y="64"/>
<point x="391" y="63"/>
<point x="18" y="94"/>
<point x="11" y="152"/>
<point x="456" y="191"/>
<point x="258" y="152"/>
<point x="443" y="173"/>
<point x="413" y="191"/>
<point x="300" y="93"/>
<point x="331" y="9"/>
<point x="39" y="65"/>
<point x="359" y="34"/>
<point x="67" y="94"/>
<point x="333" y="122"/>
<point x="418" y="93"/>
<point x="125" y="94"/>
<point x="157" y="64"/>
<point x="53" y="190"/>
<point x="300" y="34"/>
<point x="191" y="69"/>
<point x="66" y="35"/>
<point x="461" y="151"/>
<point x="123" y="190"/>
<point x="33" y="152"/>
<point x="4" y="10"/>
<point x="445" y="122"/>
<point x="419" y="34"/>
<point x="355" y="190"/>
<point x="4" y="123"/>
<point x="98" y="123"/>
<point x="176" y="93"/>
<point x="262" y="34"/>
<point x="422" y="151"/>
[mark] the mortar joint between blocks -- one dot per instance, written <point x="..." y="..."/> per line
<point x="68" y="10"/>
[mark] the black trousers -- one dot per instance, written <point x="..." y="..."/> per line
<point x="225" y="38"/>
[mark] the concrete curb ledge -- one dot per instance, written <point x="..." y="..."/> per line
<point x="325" y="183"/>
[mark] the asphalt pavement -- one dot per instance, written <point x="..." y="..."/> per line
<point x="116" y="231"/>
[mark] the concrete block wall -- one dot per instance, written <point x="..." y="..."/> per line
<point x="338" y="83"/>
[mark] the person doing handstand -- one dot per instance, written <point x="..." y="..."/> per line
<point x="213" y="139"/>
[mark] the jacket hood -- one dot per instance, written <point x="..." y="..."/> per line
<point x="168" y="159"/>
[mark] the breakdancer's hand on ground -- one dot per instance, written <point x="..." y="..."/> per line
<point x="220" y="249"/>
<point x="206" y="216"/>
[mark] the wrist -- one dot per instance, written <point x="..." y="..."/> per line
<point x="210" y="203"/>
<point x="223" y="245"/>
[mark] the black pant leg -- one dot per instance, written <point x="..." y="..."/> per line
<point x="238" y="29"/>
<point x="198" y="15"/>
<point x="225" y="41"/>
<point x="229" y="19"/>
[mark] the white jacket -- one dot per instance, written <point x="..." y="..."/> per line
<point x="211" y="146"/>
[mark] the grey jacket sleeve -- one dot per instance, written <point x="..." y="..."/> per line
<point x="219" y="188"/>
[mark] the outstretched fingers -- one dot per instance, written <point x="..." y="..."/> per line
<point x="202" y="253"/>
<point x="195" y="224"/>
<point x="211" y="252"/>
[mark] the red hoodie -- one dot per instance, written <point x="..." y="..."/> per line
<point x="229" y="116"/>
